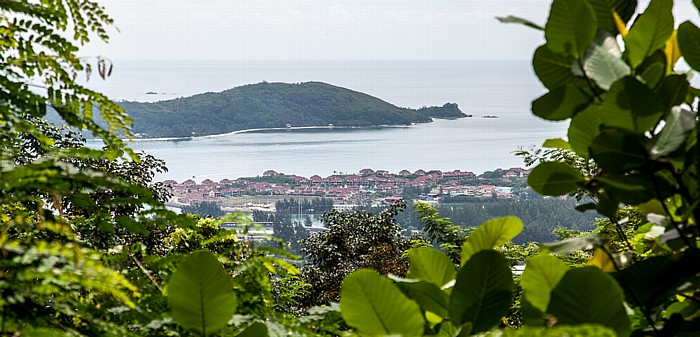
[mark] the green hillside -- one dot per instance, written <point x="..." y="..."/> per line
<point x="273" y="105"/>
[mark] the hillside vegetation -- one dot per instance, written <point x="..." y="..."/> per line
<point x="273" y="105"/>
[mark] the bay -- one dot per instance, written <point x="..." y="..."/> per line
<point x="502" y="88"/>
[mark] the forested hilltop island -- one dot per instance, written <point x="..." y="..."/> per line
<point x="273" y="105"/>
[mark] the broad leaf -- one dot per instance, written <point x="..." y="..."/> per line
<point x="678" y="124"/>
<point x="483" y="292"/>
<point x="650" y="31"/>
<point x="653" y="69"/>
<point x="518" y="20"/>
<point x="631" y="105"/>
<point x="570" y="28"/>
<point x="617" y="150"/>
<point x="584" y="127"/>
<point x="555" y="178"/>
<point x="491" y="234"/>
<point x="373" y="305"/>
<point x="689" y="43"/>
<point x="631" y="188"/>
<point x="657" y="278"/>
<point x="557" y="143"/>
<point x="256" y="329"/>
<point x="542" y="273"/>
<point x="603" y="63"/>
<point x="428" y="296"/>
<point x="430" y="265"/>
<point x="674" y="90"/>
<point x="561" y="103"/>
<point x="589" y="295"/>
<point x="604" y="12"/>
<point x="553" y="70"/>
<point x="200" y="294"/>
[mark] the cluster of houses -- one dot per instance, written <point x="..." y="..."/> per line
<point x="366" y="187"/>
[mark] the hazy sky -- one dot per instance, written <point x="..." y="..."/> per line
<point x="324" y="29"/>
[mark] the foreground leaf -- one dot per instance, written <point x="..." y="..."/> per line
<point x="689" y="43"/>
<point x="430" y="265"/>
<point x="491" y="234"/>
<point x="650" y="31"/>
<point x="200" y="294"/>
<point x="570" y="28"/>
<point x="542" y="273"/>
<point x="588" y="295"/>
<point x="555" y="178"/>
<point x="483" y="292"/>
<point x="373" y="305"/>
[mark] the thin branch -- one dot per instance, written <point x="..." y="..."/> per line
<point x="145" y="271"/>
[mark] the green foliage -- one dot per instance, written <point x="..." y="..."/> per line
<point x="483" y="291"/>
<point x="273" y="105"/>
<point x="353" y="240"/>
<point x="200" y="294"/>
<point x="434" y="300"/>
<point x="588" y="295"/>
<point x="637" y="139"/>
<point x="375" y="306"/>
<point x="489" y="235"/>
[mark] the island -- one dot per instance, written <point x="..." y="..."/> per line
<point x="274" y="105"/>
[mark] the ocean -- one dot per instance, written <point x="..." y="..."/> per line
<point x="502" y="88"/>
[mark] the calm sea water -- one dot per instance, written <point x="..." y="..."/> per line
<point x="501" y="88"/>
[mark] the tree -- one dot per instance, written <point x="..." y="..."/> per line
<point x="353" y="240"/>
<point x="207" y="209"/>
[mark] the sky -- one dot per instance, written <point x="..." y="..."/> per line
<point x="325" y="29"/>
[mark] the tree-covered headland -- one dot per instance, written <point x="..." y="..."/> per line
<point x="274" y="105"/>
<point x="89" y="249"/>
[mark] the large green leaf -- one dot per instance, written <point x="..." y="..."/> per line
<point x="428" y="296"/>
<point x="631" y="105"/>
<point x="430" y="265"/>
<point x="679" y="122"/>
<point x="618" y="150"/>
<point x="373" y="305"/>
<point x="561" y="103"/>
<point x="542" y="273"/>
<point x="674" y="90"/>
<point x="653" y="69"/>
<point x="483" y="292"/>
<point x="200" y="294"/>
<point x="570" y="28"/>
<point x="651" y="282"/>
<point x="256" y="329"/>
<point x="584" y="127"/>
<point x="555" y="178"/>
<point x="491" y="234"/>
<point x="603" y="11"/>
<point x="650" y="31"/>
<point x="603" y="62"/>
<point x="557" y="143"/>
<point x="631" y="189"/>
<point x="689" y="42"/>
<point x="589" y="295"/>
<point x="553" y="70"/>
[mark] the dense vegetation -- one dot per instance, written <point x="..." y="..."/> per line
<point x="88" y="248"/>
<point x="273" y="105"/>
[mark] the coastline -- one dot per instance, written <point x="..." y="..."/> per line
<point x="265" y="129"/>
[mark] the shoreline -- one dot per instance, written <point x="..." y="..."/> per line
<point x="330" y="127"/>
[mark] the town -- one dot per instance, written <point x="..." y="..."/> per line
<point x="366" y="188"/>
